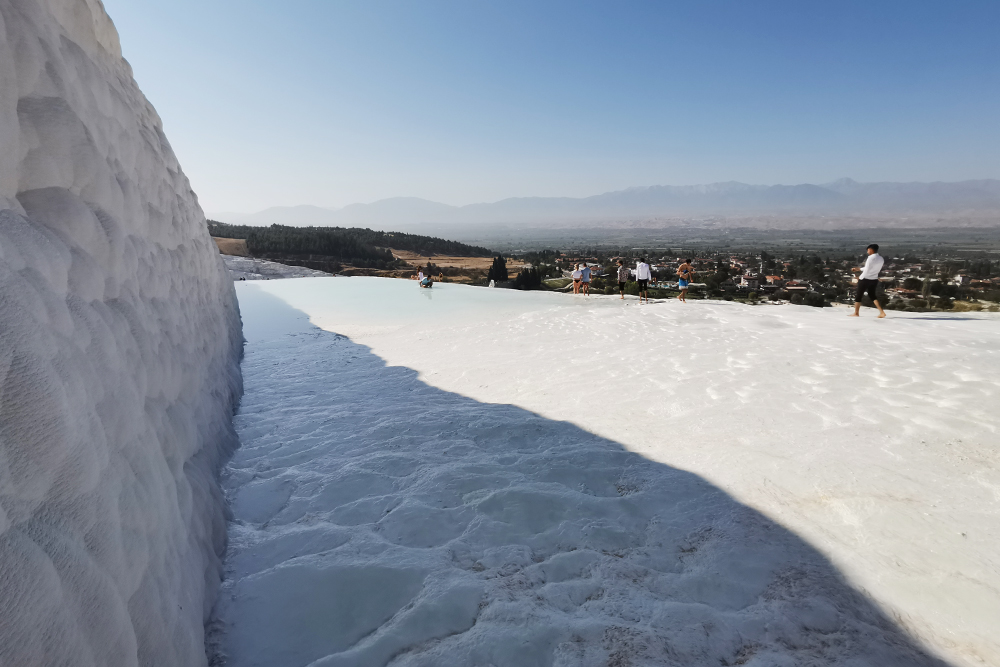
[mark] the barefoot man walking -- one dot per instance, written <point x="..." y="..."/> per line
<point x="642" y="276"/>
<point x="868" y="280"/>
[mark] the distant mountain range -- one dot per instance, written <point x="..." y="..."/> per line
<point x="844" y="197"/>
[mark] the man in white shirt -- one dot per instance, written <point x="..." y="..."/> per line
<point x="642" y="276"/>
<point x="868" y="280"/>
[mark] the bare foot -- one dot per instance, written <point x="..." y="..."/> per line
<point x="881" y="316"/>
<point x="854" y="315"/>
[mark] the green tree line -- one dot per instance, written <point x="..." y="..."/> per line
<point x="341" y="242"/>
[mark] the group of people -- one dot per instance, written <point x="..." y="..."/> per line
<point x="868" y="279"/>
<point x="581" y="279"/>
<point x="643" y="275"/>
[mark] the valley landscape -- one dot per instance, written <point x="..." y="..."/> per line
<point x="844" y="203"/>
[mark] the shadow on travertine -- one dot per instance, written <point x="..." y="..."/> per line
<point x="379" y="520"/>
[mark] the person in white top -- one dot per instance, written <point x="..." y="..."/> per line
<point x="868" y="280"/>
<point x="577" y="278"/>
<point x="642" y="276"/>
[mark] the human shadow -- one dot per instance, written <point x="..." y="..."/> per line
<point x="380" y="520"/>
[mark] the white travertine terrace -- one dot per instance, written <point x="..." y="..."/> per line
<point x="465" y="477"/>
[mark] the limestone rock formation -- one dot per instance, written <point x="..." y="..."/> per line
<point x="119" y="349"/>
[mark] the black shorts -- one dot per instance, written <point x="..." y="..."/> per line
<point x="869" y="285"/>
<point x="643" y="284"/>
<point x="621" y="286"/>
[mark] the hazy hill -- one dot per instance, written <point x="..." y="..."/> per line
<point x="384" y="212"/>
<point x="922" y="197"/>
<point x="844" y="197"/>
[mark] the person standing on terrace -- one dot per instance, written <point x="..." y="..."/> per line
<point x="623" y="276"/>
<point x="643" y="274"/>
<point x="577" y="278"/>
<point x="685" y="272"/>
<point x="585" y="278"/>
<point x="868" y="281"/>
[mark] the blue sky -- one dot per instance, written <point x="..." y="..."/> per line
<point x="329" y="103"/>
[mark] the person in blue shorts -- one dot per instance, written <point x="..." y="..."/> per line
<point x="685" y="272"/>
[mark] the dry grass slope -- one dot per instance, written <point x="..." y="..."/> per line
<point x="235" y="247"/>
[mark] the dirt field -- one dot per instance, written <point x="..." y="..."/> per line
<point x="236" y="247"/>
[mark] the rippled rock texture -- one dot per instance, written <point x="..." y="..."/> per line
<point x="119" y="348"/>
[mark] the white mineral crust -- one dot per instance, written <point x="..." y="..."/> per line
<point x="470" y="477"/>
<point x="119" y="348"/>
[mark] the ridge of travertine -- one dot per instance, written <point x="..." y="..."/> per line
<point x="120" y="341"/>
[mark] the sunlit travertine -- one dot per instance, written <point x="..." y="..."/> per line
<point x="467" y="476"/>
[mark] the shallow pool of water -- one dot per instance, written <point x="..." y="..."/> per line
<point x="337" y="303"/>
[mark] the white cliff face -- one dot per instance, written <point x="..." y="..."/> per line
<point x="119" y="347"/>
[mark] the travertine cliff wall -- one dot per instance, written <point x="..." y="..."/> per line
<point x="119" y="350"/>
